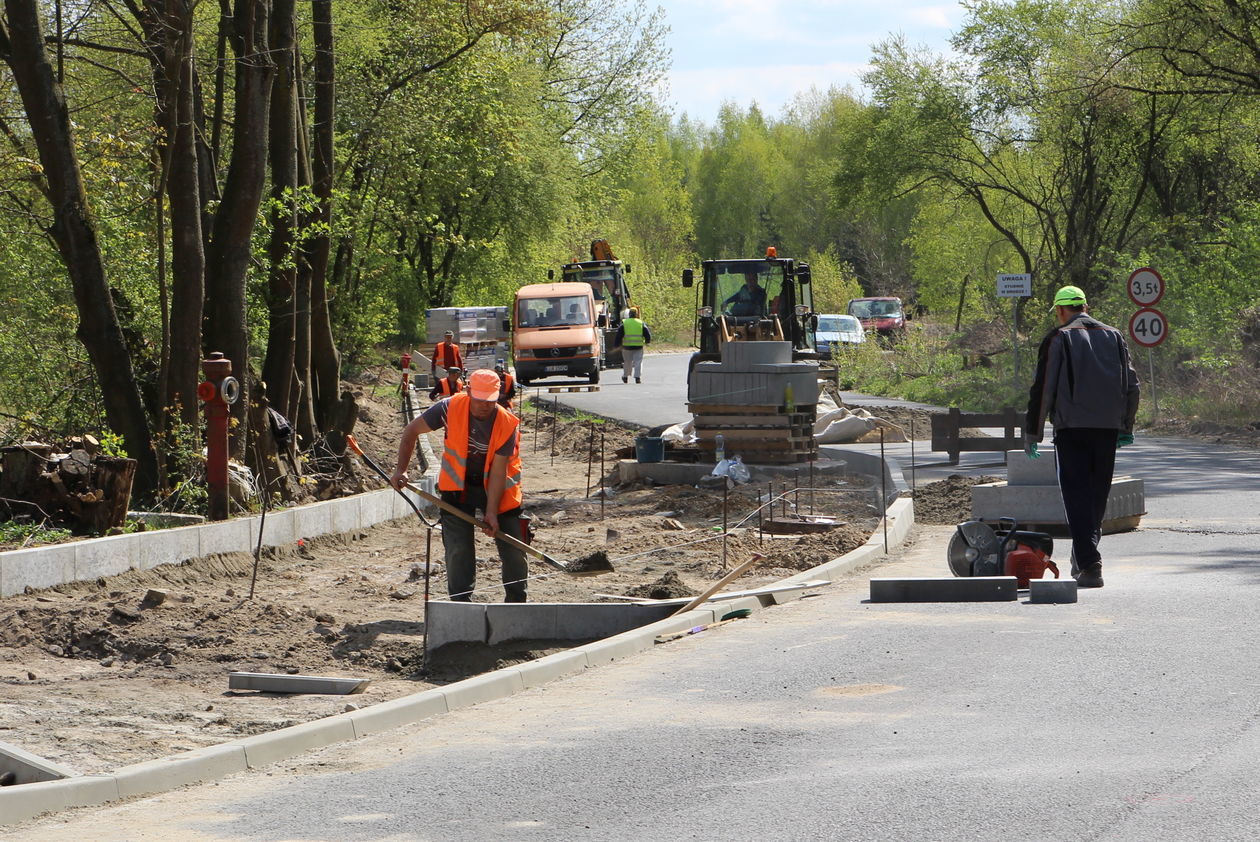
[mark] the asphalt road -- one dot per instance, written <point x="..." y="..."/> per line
<point x="1131" y="715"/>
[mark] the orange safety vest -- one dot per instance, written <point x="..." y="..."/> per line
<point x="444" y="387"/>
<point x="446" y="354"/>
<point x="505" y="383"/>
<point x="455" y="455"/>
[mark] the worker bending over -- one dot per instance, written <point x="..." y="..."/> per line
<point x="449" y="385"/>
<point x="481" y="470"/>
<point x="507" y="384"/>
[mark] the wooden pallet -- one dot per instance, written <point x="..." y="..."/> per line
<point x="742" y="411"/>
<point x="554" y="389"/>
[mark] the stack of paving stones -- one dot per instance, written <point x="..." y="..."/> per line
<point x="745" y="399"/>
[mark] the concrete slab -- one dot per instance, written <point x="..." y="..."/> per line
<point x="30" y="768"/>
<point x="376" y="507"/>
<point x="312" y="684"/>
<point x="592" y="621"/>
<point x="35" y="568"/>
<point x="227" y="536"/>
<point x="520" y="621"/>
<point x="203" y="764"/>
<point x="279" y="529"/>
<point x="552" y="667"/>
<point x="344" y="515"/>
<point x="740" y="355"/>
<point x="263" y="749"/>
<point x="1043" y="504"/>
<point x="1052" y="591"/>
<point x="398" y="712"/>
<point x="166" y="546"/>
<point x="927" y="589"/>
<point x="483" y="688"/>
<point x="103" y="557"/>
<point x="451" y="622"/>
<point x="1020" y="470"/>
<point x="19" y="803"/>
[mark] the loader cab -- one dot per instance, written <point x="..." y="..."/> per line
<point x="759" y="299"/>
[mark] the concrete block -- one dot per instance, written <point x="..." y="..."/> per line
<point x="266" y="682"/>
<point x="483" y="688"/>
<point x="778" y="369"/>
<point x="1052" y="591"/>
<point x="19" y="803"/>
<point x="279" y="529"/>
<point x="1043" y="504"/>
<point x="190" y="767"/>
<point x="593" y="621"/>
<point x="313" y="520"/>
<point x="376" y="507"/>
<point x="398" y="712"/>
<point x="103" y="557"/>
<point x="262" y="749"/>
<point x="552" y="667"/>
<point x="927" y="589"/>
<point x="626" y="644"/>
<point x="741" y="355"/>
<point x="1020" y="470"/>
<point x="30" y="768"/>
<point x="344" y="515"/>
<point x="167" y="546"/>
<point x="521" y="621"/>
<point x="455" y="622"/>
<point x="35" y="568"/>
<point x="227" y="536"/>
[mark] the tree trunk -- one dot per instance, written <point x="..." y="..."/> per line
<point x="304" y="411"/>
<point x="227" y="260"/>
<point x="22" y="46"/>
<point x="325" y="357"/>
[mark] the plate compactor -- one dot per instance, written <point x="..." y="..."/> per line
<point x="977" y="549"/>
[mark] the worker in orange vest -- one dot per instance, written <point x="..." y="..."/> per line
<point x="481" y="469"/>
<point x="446" y="354"/>
<point x="448" y="385"/>
<point x="507" y="384"/>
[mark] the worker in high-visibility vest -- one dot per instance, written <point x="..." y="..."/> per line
<point x="507" y="384"/>
<point x="632" y="336"/>
<point x="445" y="355"/>
<point x="481" y="469"/>
<point x="449" y="385"/>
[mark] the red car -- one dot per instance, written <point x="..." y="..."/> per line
<point x="883" y="315"/>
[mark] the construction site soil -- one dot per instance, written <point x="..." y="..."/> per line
<point x="95" y="676"/>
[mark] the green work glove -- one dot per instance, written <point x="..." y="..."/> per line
<point x="1030" y="448"/>
<point x="1122" y="439"/>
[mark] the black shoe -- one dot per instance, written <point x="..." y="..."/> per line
<point x="638" y="380"/>
<point x="1090" y="577"/>
<point x="625" y="380"/>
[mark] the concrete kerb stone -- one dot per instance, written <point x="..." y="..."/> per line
<point x="262" y="749"/>
<point x="202" y="764"/>
<point x="103" y="557"/>
<point x="217" y="761"/>
<point x="226" y="536"/>
<point x="165" y="546"/>
<point x="314" y="520"/>
<point x="36" y="568"/>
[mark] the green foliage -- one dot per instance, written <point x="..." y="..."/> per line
<point x="27" y="534"/>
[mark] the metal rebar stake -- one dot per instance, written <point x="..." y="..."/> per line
<point x="555" y="426"/>
<point x="761" y="509"/>
<point x="603" y="492"/>
<point x="590" y="458"/>
<point x="536" y="403"/>
<point x="428" y="566"/>
<point x="912" y="485"/>
<point x="726" y="494"/>
<point x="883" y="485"/>
<point x="811" y="485"/>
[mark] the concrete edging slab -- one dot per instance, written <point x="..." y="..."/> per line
<point x="200" y="765"/>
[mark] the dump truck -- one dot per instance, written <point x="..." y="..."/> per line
<point x="607" y="278"/>
<point x="765" y="299"/>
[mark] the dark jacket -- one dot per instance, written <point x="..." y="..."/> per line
<point x="1084" y="379"/>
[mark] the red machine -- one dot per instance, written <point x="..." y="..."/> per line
<point x="976" y="549"/>
<point x="218" y="392"/>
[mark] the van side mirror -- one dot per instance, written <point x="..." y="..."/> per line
<point x="688" y="277"/>
<point x="551" y="274"/>
<point x="601" y="320"/>
<point x="802" y="273"/>
<point x="627" y="268"/>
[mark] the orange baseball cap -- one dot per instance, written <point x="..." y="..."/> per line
<point x="483" y="385"/>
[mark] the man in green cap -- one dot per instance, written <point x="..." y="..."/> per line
<point x="1085" y="384"/>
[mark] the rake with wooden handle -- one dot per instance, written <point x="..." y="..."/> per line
<point x="588" y="565"/>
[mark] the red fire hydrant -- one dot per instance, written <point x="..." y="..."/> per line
<point x="218" y="392"/>
<point x="404" y="363"/>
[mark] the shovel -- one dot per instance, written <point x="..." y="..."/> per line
<point x="588" y="565"/>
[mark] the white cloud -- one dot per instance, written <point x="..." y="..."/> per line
<point x="699" y="92"/>
<point x="942" y="17"/>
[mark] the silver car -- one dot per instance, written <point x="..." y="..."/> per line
<point x="837" y="330"/>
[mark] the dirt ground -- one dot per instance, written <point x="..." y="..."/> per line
<point x="95" y="677"/>
<point x="946" y="501"/>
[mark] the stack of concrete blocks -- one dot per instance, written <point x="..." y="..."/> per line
<point x="754" y="374"/>
<point x="745" y="398"/>
<point x="469" y="324"/>
<point x="1031" y="496"/>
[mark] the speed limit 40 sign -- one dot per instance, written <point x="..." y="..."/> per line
<point x="1148" y="327"/>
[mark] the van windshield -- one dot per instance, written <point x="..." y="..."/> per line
<point x="867" y="308"/>
<point x="556" y="311"/>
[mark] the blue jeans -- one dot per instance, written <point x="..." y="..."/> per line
<point x="460" y="548"/>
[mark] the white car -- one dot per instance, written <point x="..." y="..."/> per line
<point x="838" y="330"/>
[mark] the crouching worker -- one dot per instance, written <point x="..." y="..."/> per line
<point x="481" y="470"/>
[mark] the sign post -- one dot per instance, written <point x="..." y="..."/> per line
<point x="1014" y="286"/>
<point x="1148" y="326"/>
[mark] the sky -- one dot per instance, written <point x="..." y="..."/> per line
<point x="768" y="50"/>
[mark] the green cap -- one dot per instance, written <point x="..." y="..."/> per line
<point x="1069" y="297"/>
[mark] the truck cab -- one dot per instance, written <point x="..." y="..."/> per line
<point x="555" y="332"/>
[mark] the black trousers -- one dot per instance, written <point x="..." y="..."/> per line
<point x="1087" y="460"/>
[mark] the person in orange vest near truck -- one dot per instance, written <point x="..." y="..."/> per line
<point x="446" y="354"/>
<point x="632" y="336"/>
<point x="448" y="385"/>
<point x="507" y="384"/>
<point x="481" y="469"/>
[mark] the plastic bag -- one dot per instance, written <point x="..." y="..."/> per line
<point x="733" y="468"/>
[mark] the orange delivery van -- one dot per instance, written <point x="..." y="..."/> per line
<point x="554" y="332"/>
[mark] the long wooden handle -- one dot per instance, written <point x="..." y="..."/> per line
<point x="721" y="583"/>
